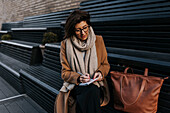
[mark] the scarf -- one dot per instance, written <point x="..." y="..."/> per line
<point x="80" y="62"/>
<point x="75" y="50"/>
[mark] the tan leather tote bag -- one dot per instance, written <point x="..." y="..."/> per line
<point x="134" y="93"/>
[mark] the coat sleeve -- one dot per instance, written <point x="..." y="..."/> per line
<point x="104" y="65"/>
<point x="66" y="73"/>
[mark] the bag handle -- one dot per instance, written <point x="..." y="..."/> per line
<point x="141" y="89"/>
<point x="145" y="73"/>
<point x="125" y="71"/>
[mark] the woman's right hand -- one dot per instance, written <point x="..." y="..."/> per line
<point x="85" y="78"/>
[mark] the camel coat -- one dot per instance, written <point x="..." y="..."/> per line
<point x="64" y="102"/>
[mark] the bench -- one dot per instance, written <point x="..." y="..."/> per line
<point x="26" y="52"/>
<point x="39" y="81"/>
<point x="42" y="83"/>
<point x="32" y="28"/>
<point x="136" y="34"/>
<point x="2" y="33"/>
<point x="34" y="35"/>
<point x="50" y="20"/>
<point x="16" y="55"/>
<point x="9" y="25"/>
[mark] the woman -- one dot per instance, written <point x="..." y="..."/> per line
<point x="83" y="57"/>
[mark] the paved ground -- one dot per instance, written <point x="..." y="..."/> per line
<point x="13" y="102"/>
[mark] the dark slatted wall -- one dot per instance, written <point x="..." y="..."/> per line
<point x="46" y="20"/>
<point x="142" y="25"/>
<point x="136" y="34"/>
<point x="29" y="35"/>
<point x="23" y="55"/>
<point x="8" y="26"/>
<point x="52" y="57"/>
<point x="51" y="21"/>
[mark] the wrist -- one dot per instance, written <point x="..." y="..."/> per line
<point x="101" y="75"/>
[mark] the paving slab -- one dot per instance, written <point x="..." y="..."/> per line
<point x="13" y="102"/>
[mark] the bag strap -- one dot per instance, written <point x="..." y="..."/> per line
<point x="166" y="78"/>
<point x="139" y="94"/>
<point x="146" y="72"/>
<point x="141" y="89"/>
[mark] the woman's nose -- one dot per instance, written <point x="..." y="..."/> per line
<point x="82" y="32"/>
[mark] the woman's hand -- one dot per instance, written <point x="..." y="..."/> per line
<point x="98" y="75"/>
<point x="85" y="78"/>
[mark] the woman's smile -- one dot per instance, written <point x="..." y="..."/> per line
<point x="84" y="37"/>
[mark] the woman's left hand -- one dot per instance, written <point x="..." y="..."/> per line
<point x="98" y="75"/>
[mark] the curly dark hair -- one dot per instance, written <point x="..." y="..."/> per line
<point x="75" y="17"/>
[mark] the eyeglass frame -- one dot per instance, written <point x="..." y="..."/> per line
<point x="82" y="29"/>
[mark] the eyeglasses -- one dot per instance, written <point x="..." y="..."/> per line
<point x="79" y="30"/>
